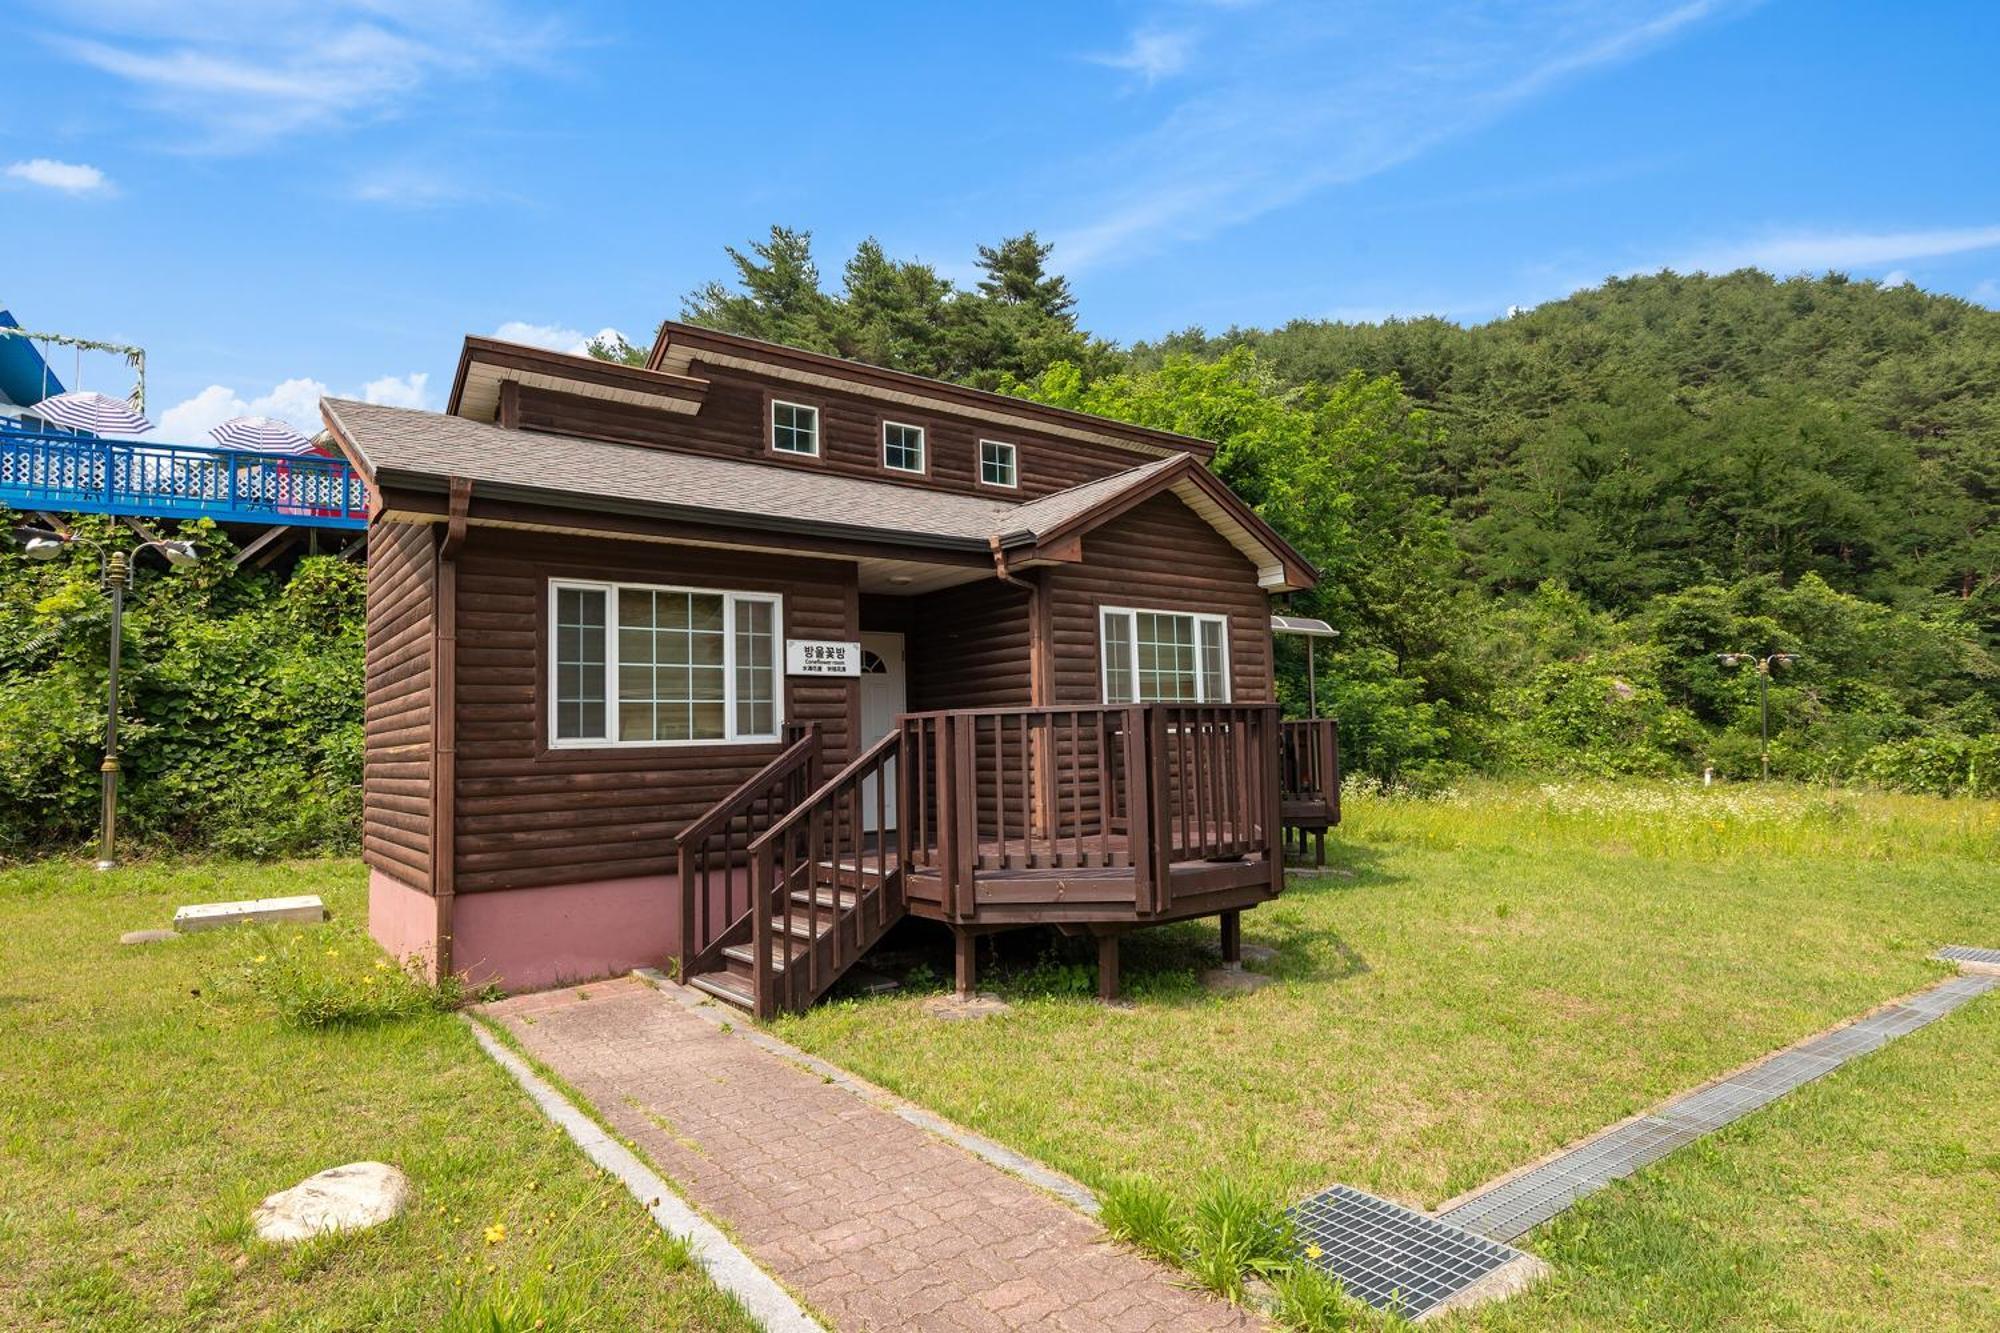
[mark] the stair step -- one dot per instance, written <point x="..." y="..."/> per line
<point x="844" y="899"/>
<point x="782" y="952"/>
<point x="727" y="987"/>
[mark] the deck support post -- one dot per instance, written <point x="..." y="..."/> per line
<point x="1107" y="968"/>
<point x="1232" y="939"/>
<point x="966" y="947"/>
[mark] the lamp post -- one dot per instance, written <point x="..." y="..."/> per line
<point x="118" y="564"/>
<point x="1763" y="698"/>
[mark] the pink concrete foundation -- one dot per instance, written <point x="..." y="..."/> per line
<point x="533" y="939"/>
<point x="403" y="920"/>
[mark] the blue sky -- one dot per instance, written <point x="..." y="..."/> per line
<point x="276" y="198"/>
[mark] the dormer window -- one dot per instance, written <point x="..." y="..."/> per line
<point x="902" y="447"/>
<point x="794" y="429"/>
<point x="996" y="464"/>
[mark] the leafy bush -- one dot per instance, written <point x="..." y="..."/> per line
<point x="240" y="694"/>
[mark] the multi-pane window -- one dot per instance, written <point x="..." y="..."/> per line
<point x="996" y="464"/>
<point x="1164" y="657"/>
<point x="641" y="665"/>
<point x="902" y="447"/>
<point x="794" y="428"/>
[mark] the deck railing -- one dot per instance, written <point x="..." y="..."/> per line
<point x="1136" y="787"/>
<point x="72" y="473"/>
<point x="1310" y="762"/>
<point x="823" y="885"/>
<point x="714" y="852"/>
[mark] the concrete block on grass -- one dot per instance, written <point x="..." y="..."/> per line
<point x="210" y="916"/>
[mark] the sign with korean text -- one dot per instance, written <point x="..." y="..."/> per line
<point x="822" y="657"/>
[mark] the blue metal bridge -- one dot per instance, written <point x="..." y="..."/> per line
<point x="79" y="474"/>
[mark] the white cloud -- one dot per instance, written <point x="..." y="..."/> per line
<point x="555" y="337"/>
<point x="245" y="72"/>
<point x="1151" y="53"/>
<point x="1818" y="251"/>
<point x="1290" y="99"/>
<point x="1896" y="277"/>
<point x="295" y="401"/>
<point x="1987" y="292"/>
<point x="399" y="391"/>
<point x="69" y="177"/>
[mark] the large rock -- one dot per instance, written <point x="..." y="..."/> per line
<point x="343" y="1198"/>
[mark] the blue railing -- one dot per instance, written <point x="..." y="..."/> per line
<point x="78" y="474"/>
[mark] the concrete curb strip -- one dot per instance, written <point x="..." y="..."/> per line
<point x="728" y="1267"/>
<point x="1014" y="1164"/>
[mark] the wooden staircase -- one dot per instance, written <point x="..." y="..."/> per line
<point x="804" y="892"/>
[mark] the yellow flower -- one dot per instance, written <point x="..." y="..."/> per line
<point x="367" y="981"/>
<point x="258" y="959"/>
<point x="381" y="965"/>
<point x="333" y="953"/>
<point x="496" y="1233"/>
<point x="1314" y="1252"/>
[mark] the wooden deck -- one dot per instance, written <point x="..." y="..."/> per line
<point x="1096" y="820"/>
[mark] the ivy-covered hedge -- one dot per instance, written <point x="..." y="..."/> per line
<point x="241" y="697"/>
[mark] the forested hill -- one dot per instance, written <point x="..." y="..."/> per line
<point x="1660" y="431"/>
<point x="1540" y="532"/>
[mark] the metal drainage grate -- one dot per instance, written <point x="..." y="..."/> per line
<point x="1512" y="1208"/>
<point x="1393" y="1257"/>
<point x="1959" y="953"/>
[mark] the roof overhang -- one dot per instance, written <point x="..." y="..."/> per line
<point x="680" y="346"/>
<point x="487" y="363"/>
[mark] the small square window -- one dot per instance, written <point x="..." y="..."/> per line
<point x="794" y="429"/>
<point x="996" y="464"/>
<point x="902" y="447"/>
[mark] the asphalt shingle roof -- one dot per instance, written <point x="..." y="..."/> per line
<point x="401" y="445"/>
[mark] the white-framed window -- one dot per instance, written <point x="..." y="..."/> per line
<point x="1163" y="656"/>
<point x="997" y="465"/>
<point x="902" y="447"/>
<point x="794" y="428"/>
<point x="642" y="664"/>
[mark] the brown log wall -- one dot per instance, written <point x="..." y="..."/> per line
<point x="528" y="815"/>
<point x="734" y="420"/>
<point x="399" y="687"/>
<point x="1160" y="556"/>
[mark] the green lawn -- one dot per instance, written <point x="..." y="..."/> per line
<point x="142" y="1116"/>
<point x="1486" y="977"/>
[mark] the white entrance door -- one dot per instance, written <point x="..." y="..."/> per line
<point x="885" y="695"/>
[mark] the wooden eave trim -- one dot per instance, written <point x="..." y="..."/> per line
<point x="348" y="449"/>
<point x="918" y="391"/>
<point x="491" y="509"/>
<point x="581" y="370"/>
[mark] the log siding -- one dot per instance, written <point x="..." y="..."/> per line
<point x="1160" y="556"/>
<point x="734" y="422"/>
<point x="528" y="814"/>
<point x="399" y="685"/>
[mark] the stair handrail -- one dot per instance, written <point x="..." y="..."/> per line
<point x="771" y="892"/>
<point x="801" y="756"/>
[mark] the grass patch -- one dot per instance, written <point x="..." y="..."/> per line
<point x="156" y="1092"/>
<point x="1488" y="975"/>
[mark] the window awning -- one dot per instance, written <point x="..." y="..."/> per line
<point x="1306" y="625"/>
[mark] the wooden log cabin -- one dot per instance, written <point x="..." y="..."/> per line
<point x="734" y="660"/>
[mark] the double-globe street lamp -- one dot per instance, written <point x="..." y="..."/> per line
<point x="118" y="564"/>
<point x="1764" y="665"/>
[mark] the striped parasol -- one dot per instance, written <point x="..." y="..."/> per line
<point x="98" y="413"/>
<point x="264" y="435"/>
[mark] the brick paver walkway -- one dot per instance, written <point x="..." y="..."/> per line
<point x="874" y="1222"/>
